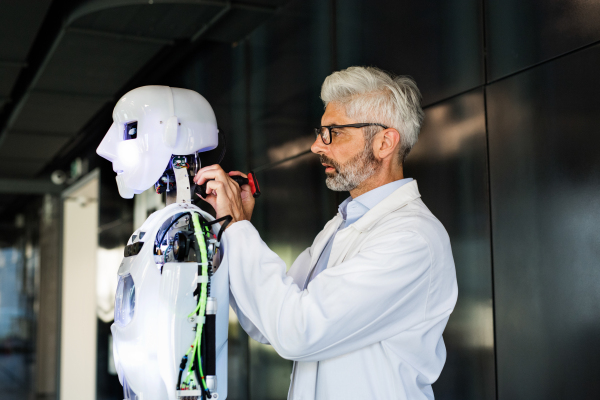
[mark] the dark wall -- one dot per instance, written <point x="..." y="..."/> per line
<point x="450" y="166"/>
<point x="545" y="176"/>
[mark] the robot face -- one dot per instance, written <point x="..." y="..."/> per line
<point x="151" y="123"/>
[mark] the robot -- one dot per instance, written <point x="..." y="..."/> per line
<point x="172" y="300"/>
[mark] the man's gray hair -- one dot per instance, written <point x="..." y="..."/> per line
<point x="372" y="95"/>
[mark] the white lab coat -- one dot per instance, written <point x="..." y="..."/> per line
<point x="369" y="326"/>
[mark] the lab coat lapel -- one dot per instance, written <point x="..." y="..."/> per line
<point x="398" y="199"/>
<point x="322" y="239"/>
<point x="344" y="239"/>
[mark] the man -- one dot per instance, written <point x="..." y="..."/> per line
<point x="362" y="311"/>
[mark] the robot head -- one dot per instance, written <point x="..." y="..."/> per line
<point x="152" y="123"/>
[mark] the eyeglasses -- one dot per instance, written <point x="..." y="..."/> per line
<point x="325" y="131"/>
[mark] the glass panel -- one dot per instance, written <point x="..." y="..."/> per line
<point x="19" y="265"/>
<point x="289" y="58"/>
<point x="545" y="186"/>
<point x="293" y="210"/>
<point x="439" y="42"/>
<point x="295" y="207"/>
<point x="521" y="33"/>
<point x="449" y="164"/>
<point x="217" y="72"/>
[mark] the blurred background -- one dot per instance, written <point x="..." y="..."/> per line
<point x="508" y="160"/>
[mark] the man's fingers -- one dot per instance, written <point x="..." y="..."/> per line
<point x="237" y="173"/>
<point x="217" y="186"/>
<point x="206" y="175"/>
<point x="224" y="194"/>
<point x="210" y="172"/>
<point x="210" y="199"/>
<point x="209" y="167"/>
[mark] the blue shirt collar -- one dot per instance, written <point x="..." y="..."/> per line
<point x="352" y="209"/>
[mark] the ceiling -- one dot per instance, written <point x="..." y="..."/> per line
<point x="98" y="47"/>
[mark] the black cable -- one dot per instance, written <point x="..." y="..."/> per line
<point x="181" y="368"/>
<point x="209" y="279"/>
<point x="227" y="219"/>
<point x="199" y="261"/>
<point x="170" y="225"/>
<point x="222" y="155"/>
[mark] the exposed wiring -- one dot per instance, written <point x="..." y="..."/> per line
<point x="200" y="310"/>
<point x="167" y="253"/>
<point x="169" y="227"/>
<point x="193" y="357"/>
<point x="227" y="219"/>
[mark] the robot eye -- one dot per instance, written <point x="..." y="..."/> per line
<point x="130" y="131"/>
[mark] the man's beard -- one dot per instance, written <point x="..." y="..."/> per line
<point x="353" y="172"/>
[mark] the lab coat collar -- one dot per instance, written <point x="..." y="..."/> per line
<point x="398" y="199"/>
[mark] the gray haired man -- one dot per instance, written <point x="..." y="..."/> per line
<point x="361" y="312"/>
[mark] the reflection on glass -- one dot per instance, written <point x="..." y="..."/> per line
<point x="449" y="164"/>
<point x="270" y="374"/>
<point x="523" y="33"/>
<point x="18" y="265"/>
<point x="125" y="300"/>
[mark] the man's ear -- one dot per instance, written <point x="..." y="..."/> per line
<point x="388" y="143"/>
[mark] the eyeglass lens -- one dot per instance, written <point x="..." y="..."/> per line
<point x="324" y="133"/>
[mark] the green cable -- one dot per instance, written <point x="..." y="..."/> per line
<point x="204" y="259"/>
<point x="202" y="301"/>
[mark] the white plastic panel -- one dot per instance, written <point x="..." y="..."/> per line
<point x="176" y="333"/>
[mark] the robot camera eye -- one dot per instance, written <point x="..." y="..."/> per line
<point x="130" y="130"/>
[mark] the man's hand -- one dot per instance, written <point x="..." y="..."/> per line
<point x="224" y="194"/>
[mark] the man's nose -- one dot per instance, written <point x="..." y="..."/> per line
<point x="318" y="147"/>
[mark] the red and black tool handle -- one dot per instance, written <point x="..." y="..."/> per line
<point x="250" y="180"/>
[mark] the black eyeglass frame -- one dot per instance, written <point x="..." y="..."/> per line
<point x="319" y="130"/>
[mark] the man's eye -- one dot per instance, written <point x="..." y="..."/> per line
<point x="335" y="132"/>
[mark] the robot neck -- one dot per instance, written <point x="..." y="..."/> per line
<point x="177" y="182"/>
<point x="173" y="195"/>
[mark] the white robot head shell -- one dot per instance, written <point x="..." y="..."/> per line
<point x="151" y="123"/>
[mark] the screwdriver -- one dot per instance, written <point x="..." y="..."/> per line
<point x="240" y="180"/>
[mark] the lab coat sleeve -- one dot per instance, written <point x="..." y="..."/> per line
<point x="247" y="325"/>
<point x="378" y="293"/>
